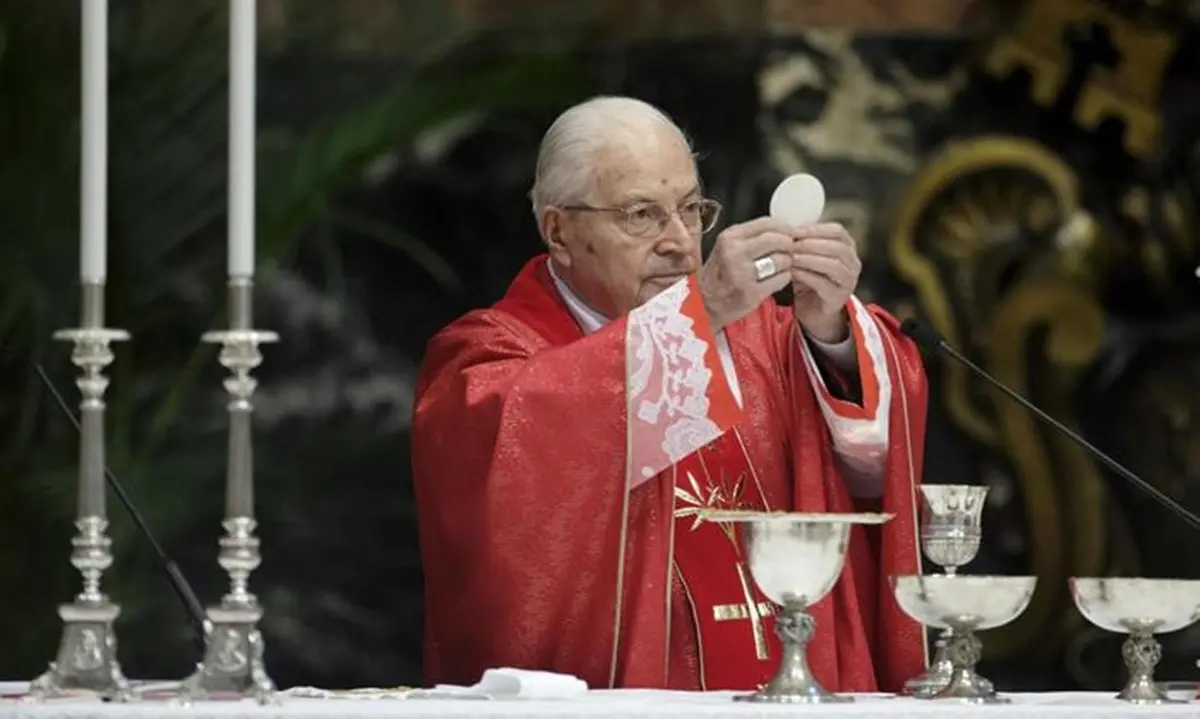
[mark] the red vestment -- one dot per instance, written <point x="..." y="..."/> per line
<point x="522" y="463"/>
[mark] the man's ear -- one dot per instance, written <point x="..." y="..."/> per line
<point x="554" y="227"/>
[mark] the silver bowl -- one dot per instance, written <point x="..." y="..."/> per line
<point x="964" y="605"/>
<point x="795" y="559"/>
<point x="1141" y="608"/>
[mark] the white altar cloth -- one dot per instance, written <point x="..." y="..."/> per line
<point x="619" y="704"/>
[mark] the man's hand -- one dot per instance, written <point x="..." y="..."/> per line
<point x="825" y="270"/>
<point x="749" y="263"/>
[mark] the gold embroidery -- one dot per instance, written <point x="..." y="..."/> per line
<point x="749" y="465"/>
<point x="697" y="501"/>
<point x="670" y="594"/>
<point x="733" y="612"/>
<point x="694" y="502"/>
<point x="691" y="604"/>
<point x="752" y="613"/>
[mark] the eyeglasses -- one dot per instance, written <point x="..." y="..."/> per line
<point x="649" y="219"/>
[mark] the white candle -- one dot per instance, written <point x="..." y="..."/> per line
<point x="242" y="36"/>
<point x="94" y="139"/>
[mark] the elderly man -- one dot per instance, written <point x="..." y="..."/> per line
<point x="565" y="438"/>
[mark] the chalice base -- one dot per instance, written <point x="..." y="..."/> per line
<point x="968" y="687"/>
<point x="1143" y="692"/>
<point x="932" y="683"/>
<point x="233" y="659"/>
<point x="87" y="656"/>
<point x="963" y="652"/>
<point x="927" y="684"/>
<point x="782" y="693"/>
<point x="794" y="682"/>
<point x="1142" y="653"/>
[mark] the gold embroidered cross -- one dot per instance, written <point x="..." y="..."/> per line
<point x="695" y="502"/>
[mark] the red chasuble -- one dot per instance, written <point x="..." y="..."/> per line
<point x="558" y="477"/>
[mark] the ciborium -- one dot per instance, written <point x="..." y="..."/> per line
<point x="964" y="605"/>
<point x="951" y="532"/>
<point x="795" y="560"/>
<point x="1143" y="609"/>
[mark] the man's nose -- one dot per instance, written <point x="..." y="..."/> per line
<point x="675" y="237"/>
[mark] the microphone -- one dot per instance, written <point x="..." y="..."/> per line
<point x="183" y="590"/>
<point x="929" y="340"/>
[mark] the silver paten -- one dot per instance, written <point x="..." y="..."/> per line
<point x="795" y="560"/>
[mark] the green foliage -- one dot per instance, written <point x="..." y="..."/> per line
<point x="166" y="267"/>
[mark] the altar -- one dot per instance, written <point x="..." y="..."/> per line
<point x="611" y="704"/>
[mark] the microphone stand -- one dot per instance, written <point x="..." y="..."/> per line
<point x="929" y="339"/>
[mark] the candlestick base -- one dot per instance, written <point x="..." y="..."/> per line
<point x="233" y="661"/>
<point x="233" y="658"/>
<point x="87" y="657"/>
<point x="87" y="653"/>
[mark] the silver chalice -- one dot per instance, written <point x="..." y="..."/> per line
<point x="1141" y="608"/>
<point x="951" y="523"/>
<point x="951" y="531"/>
<point x="964" y="605"/>
<point x="795" y="559"/>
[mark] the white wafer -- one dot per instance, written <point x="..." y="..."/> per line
<point x="799" y="200"/>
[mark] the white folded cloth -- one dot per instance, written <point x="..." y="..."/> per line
<point x="510" y="683"/>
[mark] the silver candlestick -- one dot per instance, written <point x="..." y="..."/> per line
<point x="233" y="658"/>
<point x="87" y="653"/>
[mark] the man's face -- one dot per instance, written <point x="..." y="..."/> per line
<point x="615" y="270"/>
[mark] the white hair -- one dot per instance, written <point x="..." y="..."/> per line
<point x="564" y="173"/>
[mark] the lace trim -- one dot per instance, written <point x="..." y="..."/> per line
<point x="678" y="397"/>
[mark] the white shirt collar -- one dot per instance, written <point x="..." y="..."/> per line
<point x="589" y="319"/>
